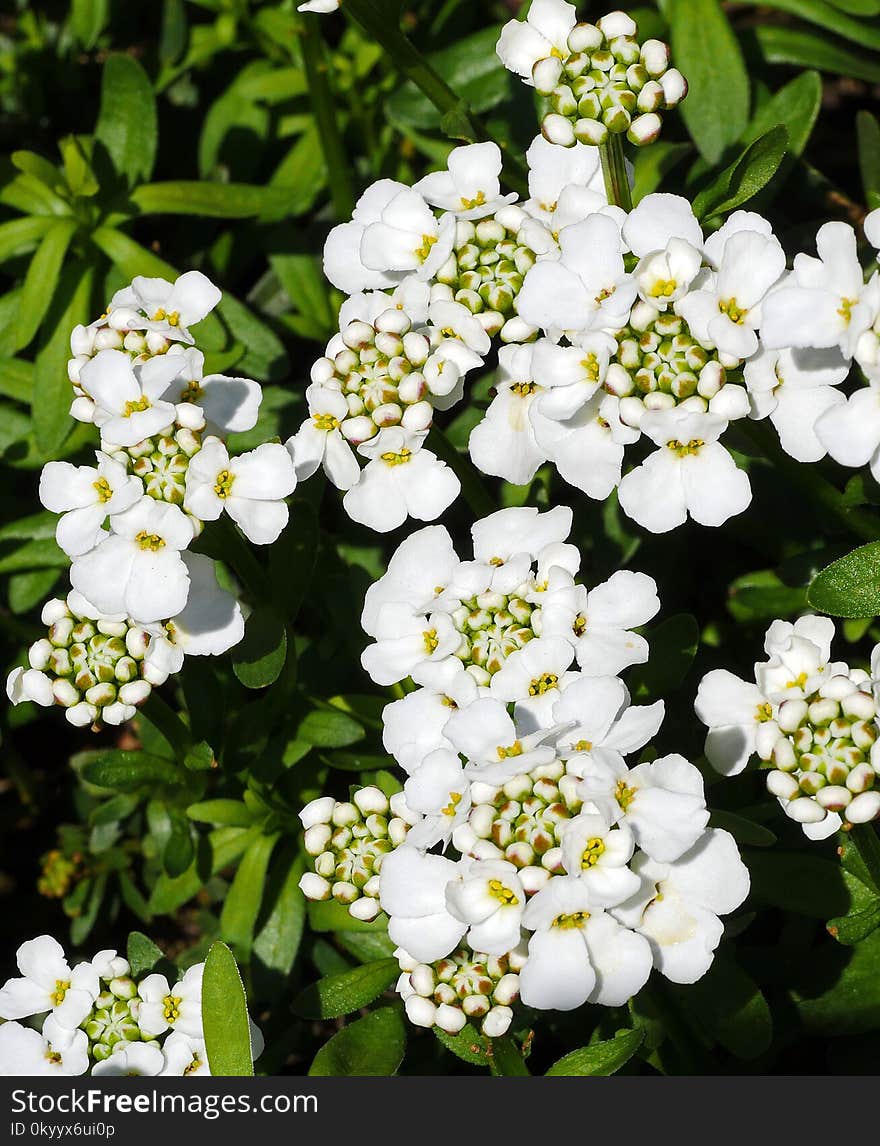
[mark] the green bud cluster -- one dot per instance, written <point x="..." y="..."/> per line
<point x="493" y="626"/>
<point x="466" y="986"/>
<point x="113" y="1018"/>
<point x="607" y="84"/>
<point x="486" y="269"/>
<point x="161" y="462"/>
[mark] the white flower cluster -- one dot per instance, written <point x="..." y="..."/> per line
<point x="140" y="600"/>
<point x="96" y="1018"/>
<point x="575" y="873"/>
<point x="810" y="720"/>
<point x="598" y="78"/>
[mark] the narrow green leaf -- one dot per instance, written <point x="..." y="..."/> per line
<point x="338" y="995"/>
<point x="469" y="1045"/>
<point x="705" y="49"/>
<point x="728" y="1004"/>
<point x="212" y="200"/>
<point x="18" y="236"/>
<point x="795" y="106"/>
<point x="333" y="916"/>
<point x="803" y="49"/>
<point x="507" y="1059"/>
<point x="142" y="953"/>
<point x="259" y="658"/>
<point x="225" y="1016"/>
<point x="329" y="730"/>
<point x="127" y="121"/>
<point x="831" y="18"/>
<point x="89" y="19"/>
<point x="804" y="884"/>
<point x="743" y="831"/>
<point x="125" y="771"/>
<point x="599" y="1059"/>
<point x="231" y="812"/>
<point x="850" y="586"/>
<point x="856" y="926"/>
<point x="373" y="1045"/>
<point x="242" y="904"/>
<point x="42" y="279"/>
<point x="868" y="136"/>
<point x="277" y="942"/>
<point x="224" y="846"/>
<point x="52" y="393"/>
<point x="839" y="992"/>
<point x="741" y="180"/>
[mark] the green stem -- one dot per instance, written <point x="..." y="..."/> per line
<point x="614" y="171"/>
<point x="324" y="111"/>
<point x="866" y="842"/>
<point x="475" y="493"/>
<point x="166" y="721"/>
<point x="373" y="17"/>
<point x="818" y="489"/>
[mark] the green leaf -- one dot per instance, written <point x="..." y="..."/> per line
<point x="126" y="771"/>
<point x="705" y="49"/>
<point x="259" y="658"/>
<point x="803" y="49"/>
<point x="142" y="953"/>
<point x="674" y="645"/>
<point x="211" y="200"/>
<point x="470" y="1045"/>
<point x="741" y="180"/>
<point x="829" y="16"/>
<point x="224" y="846"/>
<point x="366" y="946"/>
<point x="242" y="904"/>
<point x="52" y="393"/>
<point x="470" y="67"/>
<point x="856" y="926"/>
<point x="266" y="358"/>
<point x="840" y="993"/>
<point x="333" y="916"/>
<point x="600" y="1059"/>
<point x="868" y="136"/>
<point x="338" y="995"/>
<point x="804" y="884"/>
<point x="177" y="854"/>
<point x="231" y="812"/>
<point x="42" y="279"/>
<point x="89" y="19"/>
<point x="127" y="122"/>
<point x="763" y="595"/>
<point x="850" y="586"/>
<point x="728" y="1004"/>
<point x="18" y="236"/>
<point x="373" y="1045"/>
<point x="277" y="942"/>
<point x="795" y="106"/>
<point x="329" y="730"/>
<point x="743" y="831"/>
<point x="225" y="1016"/>
<point x="507" y="1059"/>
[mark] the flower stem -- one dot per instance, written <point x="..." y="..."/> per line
<point x="818" y="489"/>
<point x="459" y="121"/>
<point x="614" y="171"/>
<point x="166" y="721"/>
<point x="324" y="111"/>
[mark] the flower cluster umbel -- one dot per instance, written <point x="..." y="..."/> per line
<point x="141" y="600"/>
<point x="96" y="1017"/>
<point x="811" y="721"/>
<point x="563" y="874"/>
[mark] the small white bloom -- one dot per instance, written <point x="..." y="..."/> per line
<point x="532" y="677"/>
<point x="405" y="640"/>
<point x="407" y="237"/>
<point x="598" y="723"/>
<point x="735" y="712"/>
<point x="421" y="570"/>
<point x="587" y="447"/>
<point x="544" y="33"/>
<point x="412" y="890"/>
<point x="49" y="984"/>
<point x="178" y="1007"/>
<point x="230" y="405"/>
<point x="128" y="406"/>
<point x="131" y="1060"/>
<point x="137" y="571"/>
<point x="170" y="308"/>
<point x="598" y="854"/>
<point x="86" y="496"/>
<point x="439" y="790"/>
<point x="850" y="431"/>
<point x="504" y="443"/>
<point x="250" y="487"/>
<point x="796" y="388"/>
<point x="470" y="187"/>
<point x="56" y="1051"/>
<point x="319" y="6"/>
<point x="319" y="442"/>
<point x="415" y="726"/>
<point x="657" y="220"/>
<point x="491" y="899"/>
<point x="554" y="171"/>
<point x="691" y="474"/>
<point x="184" y="1055"/>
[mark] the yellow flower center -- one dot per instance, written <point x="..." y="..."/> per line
<point x="431" y="641"/>
<point x="584" y="746"/>
<point x="478" y="201"/>
<point x="543" y="683"/>
<point x="663" y="288"/>
<point x="580" y="625"/>
<point x="400" y="459"/>
<point x="138" y="407"/>
<point x="223" y="484"/>
<point x="684" y="449"/>
<point x="524" y="389"/>
<point x="454" y="801"/>
<point x="326" y="422"/>
<point x="799" y="681"/>
<point x="171" y="1008"/>
<point x="103" y="489"/>
<point x="568" y="922"/>
<point x="593" y="850"/>
<point x="514" y="749"/>
<point x="591" y="367"/>
<point x="623" y="794"/>
<point x="845" y="309"/>
<point x="503" y="894"/>
<point x="53" y="1057"/>
<point x="424" y="250"/>
<point x="763" y="712"/>
<point x="151" y="541"/>
<point x="733" y="310"/>
<point x="192" y="392"/>
<point x="171" y="317"/>
<point x="62" y="986"/>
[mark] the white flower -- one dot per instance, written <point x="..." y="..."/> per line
<point x="850" y="432"/>
<point x="736" y="714"/>
<point x="509" y="540"/>
<point x="405" y="640"/>
<point x="504" y="444"/>
<point x="570" y="375"/>
<point x="86" y="496"/>
<point x="723" y="308"/>
<point x="544" y="33"/>
<point x="490" y="898"/>
<point x="179" y="1008"/>
<point x="230" y="405"/>
<point x="690" y="474"/>
<point x="319" y="6"/>
<point x="419" y="573"/>
<point x="412" y="890"/>
<point x="211" y="623"/>
<point x="558" y="171"/>
<point x="49" y="984"/>
<point x="596" y="722"/>
<point x="532" y="677"/>
<point x="128" y="403"/>
<point x="110" y="965"/>
<point x="821" y="304"/>
<point x="796" y="388"/>
<point x="470" y="187"/>
<point x="131" y="1060"/>
<point x="250" y="487"/>
<point x="184" y="1055"/>
<point x="487" y="737"/>
<point x="657" y="220"/>
<point x="439" y="790"/>
<point x="319" y="442"/>
<point x="407" y="237"/>
<point x="416" y="725"/>
<point x="679" y="904"/>
<point x="578" y="952"/>
<point x="588" y="288"/>
<point x="599" y="621"/>
<point x="597" y="854"/>
<point x="664" y="277"/>
<point x="401" y="480"/>
<point x="587" y="447"/>
<point x="137" y="571"/>
<point x="57" y="1051"/>
<point x="661" y="802"/>
<point x="30" y="684"/>
<point x="343" y="265"/>
<point x="170" y="308"/>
